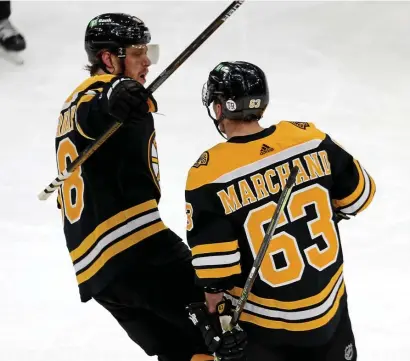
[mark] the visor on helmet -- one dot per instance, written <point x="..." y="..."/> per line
<point x="151" y="50"/>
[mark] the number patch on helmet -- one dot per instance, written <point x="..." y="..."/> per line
<point x="255" y="103"/>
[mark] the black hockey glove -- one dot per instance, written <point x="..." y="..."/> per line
<point x="226" y="345"/>
<point x="128" y="100"/>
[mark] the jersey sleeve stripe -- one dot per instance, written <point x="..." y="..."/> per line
<point x="354" y="208"/>
<point x="293" y="305"/>
<point x="350" y="199"/>
<point x="81" y="131"/>
<point x="87" y="97"/>
<point x="118" y="247"/>
<point x="104" y="227"/>
<point x="221" y="247"/>
<point x="113" y="236"/>
<point x="220" y="260"/>
<point x="372" y="193"/>
<point x="216" y="273"/>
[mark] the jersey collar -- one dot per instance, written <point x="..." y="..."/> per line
<point x="249" y="138"/>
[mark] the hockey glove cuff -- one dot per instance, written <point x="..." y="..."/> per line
<point x="228" y="345"/>
<point x="128" y="100"/>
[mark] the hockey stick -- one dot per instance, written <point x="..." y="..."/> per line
<point x="152" y="87"/>
<point x="282" y="203"/>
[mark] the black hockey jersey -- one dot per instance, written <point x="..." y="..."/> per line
<point x="109" y="204"/>
<point x="231" y="195"/>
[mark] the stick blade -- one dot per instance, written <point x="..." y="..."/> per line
<point x="43" y="196"/>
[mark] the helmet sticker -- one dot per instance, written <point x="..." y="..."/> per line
<point x="254" y="103"/>
<point x="231" y="105"/>
<point x="222" y="67"/>
<point x="104" y="20"/>
<point x="225" y="69"/>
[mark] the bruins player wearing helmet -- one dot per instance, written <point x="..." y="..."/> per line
<point x="124" y="256"/>
<point x="297" y="308"/>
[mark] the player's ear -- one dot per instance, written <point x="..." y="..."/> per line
<point x="107" y="59"/>
<point x="217" y="109"/>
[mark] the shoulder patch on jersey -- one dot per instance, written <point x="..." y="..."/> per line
<point x="202" y="160"/>
<point x="301" y="125"/>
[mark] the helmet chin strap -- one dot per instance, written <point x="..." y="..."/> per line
<point x="121" y="56"/>
<point x="217" y="122"/>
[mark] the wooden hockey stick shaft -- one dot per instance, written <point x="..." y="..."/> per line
<point x="282" y="203"/>
<point x="45" y="194"/>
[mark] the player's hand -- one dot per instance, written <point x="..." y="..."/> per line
<point x="235" y="338"/>
<point x="226" y="345"/>
<point x="128" y="100"/>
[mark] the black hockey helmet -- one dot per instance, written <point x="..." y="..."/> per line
<point x="240" y="87"/>
<point x="114" y="31"/>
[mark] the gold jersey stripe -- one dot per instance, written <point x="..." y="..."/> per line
<point x="218" y="272"/>
<point x="353" y="197"/>
<point x="215" y="248"/>
<point x="300" y="326"/>
<point x="118" y="248"/>
<point x="84" y="99"/>
<point x="202" y="357"/>
<point x="81" y="131"/>
<point x="292" y="305"/>
<point x="110" y="223"/>
<point x="372" y="193"/>
<point x="240" y="155"/>
<point x="105" y="78"/>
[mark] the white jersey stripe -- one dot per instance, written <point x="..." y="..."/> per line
<point x="294" y="315"/>
<point x="271" y="160"/>
<point x="220" y="260"/>
<point x="363" y="198"/>
<point x="113" y="236"/>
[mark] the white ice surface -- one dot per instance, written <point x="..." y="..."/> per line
<point x="344" y="66"/>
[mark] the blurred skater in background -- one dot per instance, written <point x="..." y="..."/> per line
<point x="10" y="38"/>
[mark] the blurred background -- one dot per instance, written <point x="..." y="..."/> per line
<point x="342" y="65"/>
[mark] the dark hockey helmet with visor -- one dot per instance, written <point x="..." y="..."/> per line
<point x="240" y="87"/>
<point x="115" y="32"/>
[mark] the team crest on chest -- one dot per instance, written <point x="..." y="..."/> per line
<point x="202" y="160"/>
<point x="153" y="159"/>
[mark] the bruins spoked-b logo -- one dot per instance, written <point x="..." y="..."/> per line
<point x="349" y="352"/>
<point x="202" y="160"/>
<point x="301" y="125"/>
<point x="153" y="159"/>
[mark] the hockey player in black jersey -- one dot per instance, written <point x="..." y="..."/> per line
<point x="297" y="308"/>
<point x="124" y="256"/>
